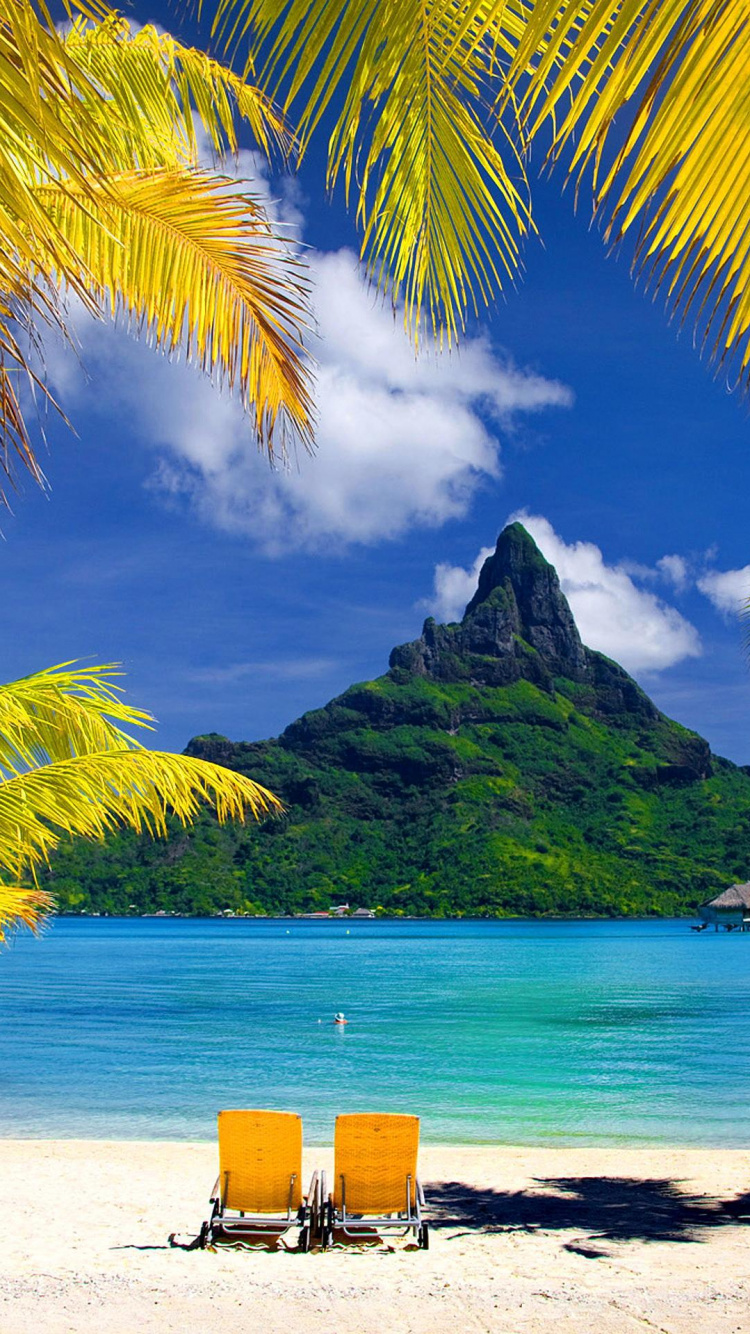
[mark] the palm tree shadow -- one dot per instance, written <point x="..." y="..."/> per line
<point x="739" y="1208"/>
<point x="607" y="1208"/>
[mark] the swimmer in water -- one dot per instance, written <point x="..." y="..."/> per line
<point x="340" y="1019"/>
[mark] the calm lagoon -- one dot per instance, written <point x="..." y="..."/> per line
<point x="514" y="1032"/>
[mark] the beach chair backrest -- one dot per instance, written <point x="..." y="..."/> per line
<point x="259" y="1153"/>
<point x="375" y="1153"/>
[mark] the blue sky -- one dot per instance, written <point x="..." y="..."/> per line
<point x="237" y="599"/>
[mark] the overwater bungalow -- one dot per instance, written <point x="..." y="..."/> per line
<point x="730" y="909"/>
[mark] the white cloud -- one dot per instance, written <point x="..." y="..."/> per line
<point x="402" y="441"/>
<point x="675" y="570"/>
<point x="454" y="587"/>
<point x="613" y="615"/>
<point x="728" y="590"/>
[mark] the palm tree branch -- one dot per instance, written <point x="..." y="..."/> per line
<point x="63" y="712"/>
<point x="90" y="795"/>
<point x="21" y="905"/>
<point x="443" y="210"/>
<point x="675" y="76"/>
<point x="195" y="265"/>
<point x="153" y="84"/>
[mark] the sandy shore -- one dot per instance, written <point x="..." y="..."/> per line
<point x="523" y="1241"/>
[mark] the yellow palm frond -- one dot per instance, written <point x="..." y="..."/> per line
<point x="15" y="445"/>
<point x="678" y="71"/>
<point x="41" y="92"/>
<point x="67" y="769"/>
<point x="194" y="265"/>
<point x="89" y="795"/>
<point x="442" y="213"/>
<point x="154" y="85"/>
<point x="41" y="89"/>
<point x="51" y="127"/>
<point x="80" y="116"/>
<point x="62" y="712"/>
<point x="443" y="209"/>
<point x="21" y="906"/>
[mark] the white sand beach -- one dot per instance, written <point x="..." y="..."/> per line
<point x="523" y="1241"/>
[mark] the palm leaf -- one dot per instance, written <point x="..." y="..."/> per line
<point x="90" y="795"/>
<point x="194" y="265"/>
<point x="51" y="126"/>
<point x="443" y="209"/>
<point x="62" y="712"/>
<point x="21" y="906"/>
<point x="15" y="444"/>
<point x="678" y="71"/>
<point x="40" y="91"/>
<point x="155" y="86"/>
<point x="45" y="127"/>
<point x="76" y="115"/>
<point x="66" y="768"/>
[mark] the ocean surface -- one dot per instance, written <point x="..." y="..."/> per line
<point x="513" y="1032"/>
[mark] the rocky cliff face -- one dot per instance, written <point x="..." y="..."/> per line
<point x="517" y="583"/>
<point x="517" y="625"/>
<point x="518" y="628"/>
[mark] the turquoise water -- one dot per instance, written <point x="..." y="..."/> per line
<point x="519" y="1032"/>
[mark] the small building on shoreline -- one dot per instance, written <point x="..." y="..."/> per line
<point x="730" y="909"/>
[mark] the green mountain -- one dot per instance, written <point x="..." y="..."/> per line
<point x="498" y="767"/>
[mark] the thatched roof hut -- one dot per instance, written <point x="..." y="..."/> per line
<point x="731" y="907"/>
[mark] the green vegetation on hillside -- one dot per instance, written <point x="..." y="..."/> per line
<point x="498" y="768"/>
<point x="437" y="799"/>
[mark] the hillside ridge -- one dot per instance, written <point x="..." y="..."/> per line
<point x="499" y="766"/>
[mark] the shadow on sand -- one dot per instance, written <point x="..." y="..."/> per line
<point x="601" y="1208"/>
<point x="605" y="1208"/>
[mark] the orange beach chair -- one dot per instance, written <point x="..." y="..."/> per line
<point x="259" y="1186"/>
<point x="375" y="1183"/>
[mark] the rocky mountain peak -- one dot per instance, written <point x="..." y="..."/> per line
<point x="518" y="624"/>
<point x="517" y="586"/>
<point x="517" y="561"/>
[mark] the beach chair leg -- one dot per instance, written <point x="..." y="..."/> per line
<point x="327" y="1225"/>
<point x="312" y="1208"/>
<point x="203" y="1236"/>
<point x="423" y="1240"/>
<point x="305" y="1240"/>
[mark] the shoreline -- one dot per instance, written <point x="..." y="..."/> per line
<point x="524" y="1240"/>
<point x="443" y="1146"/>
<point x="324" y="918"/>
